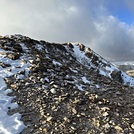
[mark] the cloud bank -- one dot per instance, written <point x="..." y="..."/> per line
<point x="87" y="21"/>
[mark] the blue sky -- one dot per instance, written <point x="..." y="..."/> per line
<point x="121" y="10"/>
<point x="106" y="26"/>
<point x="125" y="16"/>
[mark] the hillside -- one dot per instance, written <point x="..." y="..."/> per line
<point x="51" y="88"/>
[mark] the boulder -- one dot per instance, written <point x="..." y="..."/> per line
<point x="117" y="76"/>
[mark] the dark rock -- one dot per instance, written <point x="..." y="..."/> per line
<point x="70" y="45"/>
<point x="13" y="56"/>
<point x="117" y="76"/>
<point x="61" y="47"/>
<point x="4" y="65"/>
<point x="17" y="48"/>
<point x="82" y="47"/>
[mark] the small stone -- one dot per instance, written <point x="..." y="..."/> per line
<point x="13" y="56"/>
<point x="60" y="98"/>
<point x="55" y="86"/>
<point x="48" y="114"/>
<point x="117" y="114"/>
<point x="98" y="123"/>
<point x="78" y="115"/>
<point x="35" y="126"/>
<point x="118" y="128"/>
<point x="44" y="130"/>
<point x="99" y="102"/>
<point x="53" y="91"/>
<point x="52" y="82"/>
<point x="132" y="126"/>
<point x="42" y="80"/>
<point x="130" y="113"/>
<point x="14" y="86"/>
<point x="18" y="47"/>
<point x="107" y="126"/>
<point x="74" y="111"/>
<point x="42" y="113"/>
<point x="73" y="128"/>
<point x="76" y="101"/>
<point x="119" y="104"/>
<point x="22" y="61"/>
<point x="40" y="129"/>
<point x="83" y="114"/>
<point x="66" y="119"/>
<point x="44" y="122"/>
<point x="105" y="114"/>
<point x="49" y="118"/>
<point x="31" y="61"/>
<point x="112" y="122"/>
<point x="37" y="59"/>
<point x="105" y="108"/>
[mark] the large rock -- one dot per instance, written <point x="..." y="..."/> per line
<point x="117" y="75"/>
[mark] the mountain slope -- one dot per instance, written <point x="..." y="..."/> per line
<point x="90" y="59"/>
<point x="64" y="88"/>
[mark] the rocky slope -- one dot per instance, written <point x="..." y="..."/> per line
<point x="68" y="89"/>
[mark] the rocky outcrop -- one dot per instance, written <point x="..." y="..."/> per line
<point x="63" y="93"/>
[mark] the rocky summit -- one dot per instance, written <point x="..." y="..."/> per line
<point x="65" y="88"/>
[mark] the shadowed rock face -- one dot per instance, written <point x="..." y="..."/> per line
<point x="68" y="89"/>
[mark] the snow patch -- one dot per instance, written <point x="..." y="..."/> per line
<point x="10" y="124"/>
<point x="75" y="71"/>
<point x="46" y="79"/>
<point x="84" y="79"/>
<point x="127" y="79"/>
<point x="97" y="86"/>
<point x="79" y="87"/>
<point x="56" y="63"/>
<point x="39" y="47"/>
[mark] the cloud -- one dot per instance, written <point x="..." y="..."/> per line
<point x="89" y="21"/>
<point x="129" y="4"/>
<point x="114" y="38"/>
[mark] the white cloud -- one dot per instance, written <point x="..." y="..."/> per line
<point x="86" y="21"/>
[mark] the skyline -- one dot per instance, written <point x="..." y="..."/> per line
<point x="105" y="26"/>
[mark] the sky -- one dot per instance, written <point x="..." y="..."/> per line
<point x="106" y="26"/>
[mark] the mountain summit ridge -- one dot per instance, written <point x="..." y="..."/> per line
<point x="65" y="88"/>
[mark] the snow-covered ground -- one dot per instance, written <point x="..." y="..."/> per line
<point x="9" y="124"/>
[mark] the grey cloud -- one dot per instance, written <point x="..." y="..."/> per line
<point x="130" y="5"/>
<point x="87" y="21"/>
<point x="115" y="39"/>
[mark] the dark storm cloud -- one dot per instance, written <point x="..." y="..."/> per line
<point x="86" y="21"/>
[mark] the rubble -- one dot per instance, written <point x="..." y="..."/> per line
<point x="49" y="99"/>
